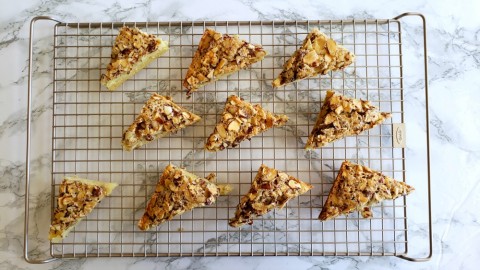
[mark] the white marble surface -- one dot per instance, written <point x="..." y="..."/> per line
<point x="454" y="61"/>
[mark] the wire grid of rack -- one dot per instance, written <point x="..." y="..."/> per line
<point x="88" y="122"/>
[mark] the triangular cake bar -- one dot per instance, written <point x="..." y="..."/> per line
<point x="77" y="198"/>
<point x="341" y="116"/>
<point x="179" y="191"/>
<point x="159" y="117"/>
<point x="318" y="54"/>
<point x="357" y="187"/>
<point x="218" y="56"/>
<point x="132" y="51"/>
<point x="270" y="189"/>
<point x="240" y="121"/>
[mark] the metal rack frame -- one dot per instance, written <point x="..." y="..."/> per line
<point x="88" y="123"/>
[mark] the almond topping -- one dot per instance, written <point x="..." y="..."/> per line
<point x="234" y="126"/>
<point x="331" y="46"/>
<point x="221" y="131"/>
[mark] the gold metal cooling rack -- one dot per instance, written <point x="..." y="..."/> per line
<point x="88" y="122"/>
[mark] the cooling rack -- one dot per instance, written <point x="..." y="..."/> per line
<point x="88" y="122"/>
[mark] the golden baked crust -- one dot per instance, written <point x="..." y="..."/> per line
<point x="159" y="117"/>
<point x="358" y="187"/>
<point x="179" y="191"/>
<point x="132" y="51"/>
<point x="341" y="116"/>
<point x="218" y="56"/>
<point x="77" y="198"/>
<point x="270" y="189"/>
<point x="318" y="54"/>
<point x="240" y="121"/>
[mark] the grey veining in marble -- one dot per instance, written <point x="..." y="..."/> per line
<point x="454" y="79"/>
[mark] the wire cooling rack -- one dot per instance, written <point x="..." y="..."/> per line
<point x="88" y="122"/>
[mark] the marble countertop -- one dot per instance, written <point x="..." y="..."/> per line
<point x="454" y="75"/>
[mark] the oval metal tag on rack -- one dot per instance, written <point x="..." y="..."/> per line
<point x="399" y="135"/>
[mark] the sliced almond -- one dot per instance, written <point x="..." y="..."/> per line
<point x="210" y="74"/>
<point x="319" y="45"/>
<point x="221" y="130"/>
<point x="227" y="116"/>
<point x="310" y="57"/>
<point x="201" y="77"/>
<point x="234" y="126"/>
<point x="339" y="110"/>
<point x="330" y="118"/>
<point x="167" y="110"/>
<point x="155" y="125"/>
<point x="328" y="58"/>
<point x="357" y="104"/>
<point x="221" y="63"/>
<point x="331" y="46"/>
<point x="269" y="175"/>
<point x="232" y="109"/>
<point x="283" y="176"/>
<point x="308" y="45"/>
<point x="293" y="184"/>
<point x="176" y="120"/>
<point x="67" y="201"/>
<point x="186" y="115"/>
